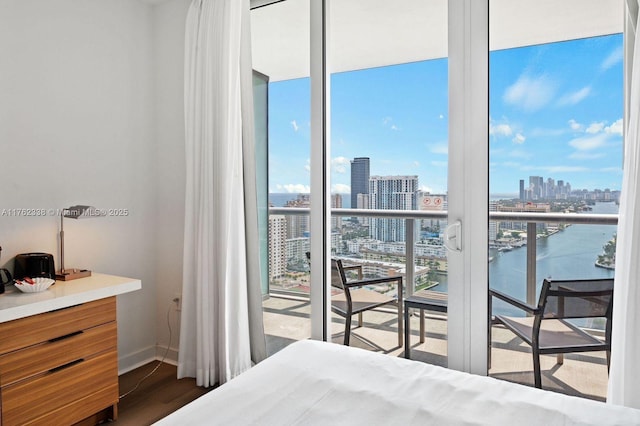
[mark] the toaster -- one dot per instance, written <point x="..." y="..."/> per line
<point x="34" y="265"/>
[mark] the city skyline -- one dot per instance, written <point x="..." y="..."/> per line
<point x="555" y="109"/>
<point x="554" y="188"/>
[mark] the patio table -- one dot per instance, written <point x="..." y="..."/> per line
<point x="423" y="299"/>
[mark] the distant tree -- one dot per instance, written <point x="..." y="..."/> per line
<point x="610" y="248"/>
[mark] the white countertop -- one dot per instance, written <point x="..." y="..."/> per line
<point x="15" y="305"/>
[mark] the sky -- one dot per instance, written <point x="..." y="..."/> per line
<point x="555" y="111"/>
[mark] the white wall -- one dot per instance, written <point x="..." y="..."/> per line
<point x="77" y="127"/>
<point x="169" y="24"/>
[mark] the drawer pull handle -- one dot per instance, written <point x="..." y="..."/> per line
<point x="66" y="307"/>
<point x="66" y="336"/>
<point x="67" y="365"/>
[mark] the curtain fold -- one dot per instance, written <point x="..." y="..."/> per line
<point x="624" y="377"/>
<point x="221" y="333"/>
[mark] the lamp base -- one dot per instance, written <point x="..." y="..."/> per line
<point x="69" y="274"/>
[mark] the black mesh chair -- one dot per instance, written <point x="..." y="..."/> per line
<point x="546" y="330"/>
<point x="354" y="299"/>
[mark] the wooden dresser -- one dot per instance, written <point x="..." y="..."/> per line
<point x="60" y="367"/>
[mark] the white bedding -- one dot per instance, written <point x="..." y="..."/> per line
<point x="316" y="383"/>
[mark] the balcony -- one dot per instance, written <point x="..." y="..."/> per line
<point x="286" y="320"/>
<point x="286" y="314"/>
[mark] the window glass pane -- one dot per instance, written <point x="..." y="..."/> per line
<point x="556" y="107"/>
<point x="389" y="148"/>
<point x="280" y="48"/>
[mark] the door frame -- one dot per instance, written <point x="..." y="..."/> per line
<point x="468" y="179"/>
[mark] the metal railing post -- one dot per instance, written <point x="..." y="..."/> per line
<point x="531" y="262"/>
<point x="409" y="249"/>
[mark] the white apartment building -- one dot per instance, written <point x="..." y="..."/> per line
<point x="297" y="248"/>
<point x="391" y="193"/>
<point x="277" y="246"/>
<point x="425" y="248"/>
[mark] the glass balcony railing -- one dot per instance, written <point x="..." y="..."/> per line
<point x="423" y="249"/>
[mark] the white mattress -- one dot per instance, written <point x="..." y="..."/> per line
<point x="316" y="383"/>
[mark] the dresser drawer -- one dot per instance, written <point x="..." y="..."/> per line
<point x="40" y="358"/>
<point x="29" y="400"/>
<point x="35" y="329"/>
<point x="79" y="409"/>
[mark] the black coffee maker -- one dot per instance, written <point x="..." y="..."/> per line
<point x="5" y="276"/>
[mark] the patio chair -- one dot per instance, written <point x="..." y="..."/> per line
<point x="354" y="299"/>
<point x="546" y="329"/>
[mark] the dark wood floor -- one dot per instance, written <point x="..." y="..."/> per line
<point x="160" y="394"/>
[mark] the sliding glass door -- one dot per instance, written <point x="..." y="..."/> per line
<point x="389" y="164"/>
<point x="407" y="149"/>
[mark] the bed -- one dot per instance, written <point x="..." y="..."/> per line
<point x="318" y="383"/>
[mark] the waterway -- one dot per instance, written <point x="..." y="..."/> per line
<point x="568" y="254"/>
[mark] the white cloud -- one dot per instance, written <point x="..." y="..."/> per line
<point x="441" y="116"/>
<point x="500" y="129"/>
<point x="519" y="139"/>
<point x="566" y="169"/>
<point x="339" y="164"/>
<point x="538" y="132"/>
<point x="307" y="166"/>
<point x="388" y="122"/>
<point x="425" y="188"/>
<point x="295" y="188"/>
<point x="294" y="125"/>
<point x="581" y="155"/>
<point x="614" y="57"/>
<point x="340" y="188"/>
<point x="595" y="127"/>
<point x="439" y="163"/>
<point x="589" y="143"/>
<point x="575" y="125"/>
<point x="575" y="97"/>
<point x="617" y="170"/>
<point x="530" y="93"/>
<point x="416" y="164"/>
<point x="615" y="128"/>
<point x="439" y="148"/>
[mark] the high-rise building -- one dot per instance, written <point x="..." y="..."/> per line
<point x="359" y="179"/>
<point x="277" y="246"/>
<point x="535" y="185"/>
<point x="298" y="225"/>
<point x="522" y="193"/>
<point x="336" y="203"/>
<point x="493" y="225"/>
<point x="391" y="193"/>
<point x="363" y="203"/>
<point x="550" y="190"/>
<point x="296" y="249"/>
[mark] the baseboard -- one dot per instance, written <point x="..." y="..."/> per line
<point x="145" y="356"/>
<point x="137" y="359"/>
<point x="170" y="356"/>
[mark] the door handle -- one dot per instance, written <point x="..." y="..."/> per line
<point x="453" y="237"/>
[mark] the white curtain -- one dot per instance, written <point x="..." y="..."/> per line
<point x="624" y="377"/>
<point x="221" y="333"/>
